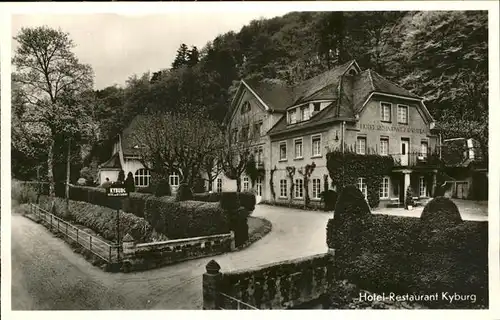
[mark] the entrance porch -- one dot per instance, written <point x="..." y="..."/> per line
<point x="422" y="183"/>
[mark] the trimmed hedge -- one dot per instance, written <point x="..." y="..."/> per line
<point x="246" y="199"/>
<point x="185" y="219"/>
<point x="102" y="220"/>
<point x="176" y="219"/>
<point x="184" y="193"/>
<point x="411" y="255"/>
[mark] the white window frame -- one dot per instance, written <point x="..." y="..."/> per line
<point x="289" y="115"/>
<point x="305" y="111"/>
<point x="422" y="187"/>
<point x="386" y="139"/>
<point x="360" y="138"/>
<point x="316" y="189"/>
<point x="246" y="184"/>
<point x="385" y="188"/>
<point x="171" y="179"/>
<point x="286" y="151"/>
<point x="283" y="188"/>
<point x="313" y="154"/>
<point x="363" y="187"/>
<point x="407" y="113"/>
<point x="142" y="177"/>
<point x="301" y="148"/>
<point x="422" y="143"/>
<point x="260" y="155"/>
<point x="382" y="105"/>
<point x="299" y="191"/>
<point x="219" y="185"/>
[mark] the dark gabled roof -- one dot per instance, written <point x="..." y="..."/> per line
<point x="381" y="84"/>
<point x="128" y="140"/>
<point x="321" y="87"/>
<point x="112" y="163"/>
<point x="348" y="93"/>
<point x="275" y="93"/>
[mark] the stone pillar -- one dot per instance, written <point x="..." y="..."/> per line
<point x="407" y="182"/>
<point x="211" y="286"/>
<point x="128" y="245"/>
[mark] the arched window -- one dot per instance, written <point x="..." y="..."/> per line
<point x="142" y="177"/>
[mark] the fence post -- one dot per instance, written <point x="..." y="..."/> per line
<point x="90" y="241"/>
<point x="77" y="235"/>
<point x="211" y="286"/>
<point x="66" y="229"/>
<point x="51" y="222"/>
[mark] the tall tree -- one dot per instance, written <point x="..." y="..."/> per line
<point x="51" y="82"/>
<point x="193" y="56"/>
<point x="181" y="59"/>
<point x="331" y="38"/>
<point x="177" y="142"/>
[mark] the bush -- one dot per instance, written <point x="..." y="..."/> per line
<point x="248" y="200"/>
<point x="351" y="205"/>
<point x="199" y="185"/>
<point x="185" y="219"/>
<point x="102" y="220"/>
<point x="23" y="192"/>
<point x="147" y="189"/>
<point x="184" y="193"/>
<point x="398" y="254"/>
<point x="408" y="197"/>
<point x="162" y="188"/>
<point x="329" y="198"/>
<point x="441" y="213"/>
<point x="229" y="201"/>
<point x="204" y="196"/>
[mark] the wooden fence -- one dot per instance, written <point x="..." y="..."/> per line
<point x="108" y="252"/>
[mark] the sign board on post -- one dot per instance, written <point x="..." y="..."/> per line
<point x="118" y="191"/>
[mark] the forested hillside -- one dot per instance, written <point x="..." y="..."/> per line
<point x="442" y="56"/>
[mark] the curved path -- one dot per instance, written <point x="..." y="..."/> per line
<point x="47" y="274"/>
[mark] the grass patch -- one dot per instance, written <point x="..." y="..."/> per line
<point x="257" y="229"/>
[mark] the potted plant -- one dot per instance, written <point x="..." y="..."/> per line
<point x="409" y="199"/>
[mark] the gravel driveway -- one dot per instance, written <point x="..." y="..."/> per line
<point x="47" y="274"/>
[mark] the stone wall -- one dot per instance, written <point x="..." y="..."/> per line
<point x="145" y="256"/>
<point x="282" y="285"/>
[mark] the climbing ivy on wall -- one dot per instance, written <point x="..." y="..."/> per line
<point x="291" y="173"/>
<point x="345" y="169"/>
<point x="271" y="182"/>
<point x="306" y="173"/>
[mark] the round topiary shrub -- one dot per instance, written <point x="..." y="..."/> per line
<point x="248" y="200"/>
<point x="329" y="199"/>
<point x="162" y="188"/>
<point x="229" y="201"/>
<point x="441" y="213"/>
<point x="351" y="204"/>
<point x="184" y="193"/>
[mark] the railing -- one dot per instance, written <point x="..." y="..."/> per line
<point x="231" y="303"/>
<point x="415" y="160"/>
<point x="102" y="249"/>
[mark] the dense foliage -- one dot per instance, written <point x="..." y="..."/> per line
<point x="346" y="167"/>
<point x="421" y="256"/>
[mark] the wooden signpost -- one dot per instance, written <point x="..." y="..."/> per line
<point x="117" y="191"/>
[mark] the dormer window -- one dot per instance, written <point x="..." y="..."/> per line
<point x="305" y="113"/>
<point x="317" y="106"/>
<point x="292" y="116"/>
<point x="352" y="72"/>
